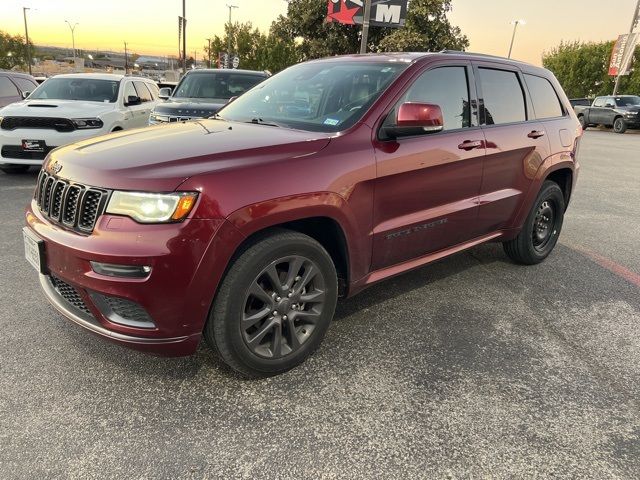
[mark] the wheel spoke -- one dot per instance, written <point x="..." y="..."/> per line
<point x="257" y="291"/>
<point x="255" y="340"/>
<point x="307" y="316"/>
<point x="312" y="297"/>
<point x="292" y="338"/>
<point x="294" y="268"/>
<point x="274" y="278"/>
<point x="249" y="321"/>
<point x="276" y="343"/>
<point x="310" y="271"/>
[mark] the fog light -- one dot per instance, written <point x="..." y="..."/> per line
<point x="124" y="271"/>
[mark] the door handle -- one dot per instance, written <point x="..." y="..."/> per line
<point x="536" y="134"/>
<point x="471" y="144"/>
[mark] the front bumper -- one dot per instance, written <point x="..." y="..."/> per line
<point x="187" y="260"/>
<point x="10" y="140"/>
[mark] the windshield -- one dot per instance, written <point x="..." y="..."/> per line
<point x="87" y="89"/>
<point x="627" y="101"/>
<point x="321" y="97"/>
<point x="215" y="85"/>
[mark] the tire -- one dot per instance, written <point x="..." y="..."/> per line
<point x="583" y="122"/>
<point x="244" y="323"/>
<point x="12" y="169"/>
<point x="542" y="227"/>
<point x="619" y="125"/>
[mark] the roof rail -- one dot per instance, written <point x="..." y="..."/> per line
<point x="486" y="55"/>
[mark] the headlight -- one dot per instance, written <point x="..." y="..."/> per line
<point x="159" y="118"/>
<point x="83" y="123"/>
<point x="152" y="207"/>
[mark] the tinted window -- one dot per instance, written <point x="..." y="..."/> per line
<point x="446" y="87"/>
<point x="503" y="96"/>
<point x="77" y="88"/>
<point x="599" y="102"/>
<point x="143" y="91"/>
<point x="544" y="98"/>
<point x="129" y="91"/>
<point x="153" y="88"/>
<point x="216" y="85"/>
<point x="25" y="84"/>
<point x="7" y="89"/>
<point x="627" y="101"/>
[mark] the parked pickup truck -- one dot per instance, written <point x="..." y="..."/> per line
<point x="620" y="112"/>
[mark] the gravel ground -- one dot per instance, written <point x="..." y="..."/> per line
<point x="470" y="367"/>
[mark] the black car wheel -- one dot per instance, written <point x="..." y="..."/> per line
<point x="619" y="125"/>
<point x="583" y="122"/>
<point x="541" y="230"/>
<point x="274" y="305"/>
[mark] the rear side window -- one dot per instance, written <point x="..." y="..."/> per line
<point x="503" y="96"/>
<point x="7" y="88"/>
<point x="545" y="100"/>
<point x="599" y="102"/>
<point x="153" y="88"/>
<point x="25" y="85"/>
<point x="143" y="91"/>
<point x="446" y="87"/>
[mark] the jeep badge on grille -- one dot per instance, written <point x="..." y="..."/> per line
<point x="55" y="167"/>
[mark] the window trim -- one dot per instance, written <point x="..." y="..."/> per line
<point x="562" y="107"/>
<point x="528" y="108"/>
<point x="473" y="100"/>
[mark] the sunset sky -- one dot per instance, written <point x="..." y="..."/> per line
<point x="151" y="26"/>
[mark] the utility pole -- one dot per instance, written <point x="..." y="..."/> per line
<point x="184" y="36"/>
<point x="228" y="65"/>
<point x="634" y="22"/>
<point x="195" y="58"/>
<point x="73" y="40"/>
<point x="26" y="34"/>
<point x="513" y="36"/>
<point x="126" y="59"/>
<point x="209" y="50"/>
<point x="365" y="26"/>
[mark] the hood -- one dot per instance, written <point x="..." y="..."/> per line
<point x="57" y="108"/>
<point x="162" y="157"/>
<point x="191" y="107"/>
<point x="631" y="108"/>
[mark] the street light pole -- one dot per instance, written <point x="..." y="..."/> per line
<point x="634" y="22"/>
<point x="209" y="50"/>
<point x="365" y="26"/>
<point x="184" y="37"/>
<point x="513" y="36"/>
<point x="26" y="34"/>
<point x="228" y="65"/>
<point x="73" y="40"/>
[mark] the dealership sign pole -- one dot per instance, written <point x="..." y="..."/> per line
<point x="376" y="13"/>
<point x="623" y="51"/>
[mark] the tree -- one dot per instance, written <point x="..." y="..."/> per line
<point x="13" y="51"/>
<point x="582" y="69"/>
<point x="427" y="28"/>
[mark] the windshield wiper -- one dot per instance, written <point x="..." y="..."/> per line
<point x="259" y="121"/>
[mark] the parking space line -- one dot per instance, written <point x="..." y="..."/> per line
<point x="609" y="264"/>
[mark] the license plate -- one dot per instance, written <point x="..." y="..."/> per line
<point x="33" y="145"/>
<point x="33" y="249"/>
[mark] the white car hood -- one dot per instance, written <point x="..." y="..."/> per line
<point x="57" y="109"/>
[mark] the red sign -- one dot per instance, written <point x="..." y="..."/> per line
<point x="384" y="13"/>
<point x="622" y="54"/>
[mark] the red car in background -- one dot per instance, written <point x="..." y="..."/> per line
<point x="246" y="227"/>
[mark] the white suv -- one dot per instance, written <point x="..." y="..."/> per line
<point x="69" y="108"/>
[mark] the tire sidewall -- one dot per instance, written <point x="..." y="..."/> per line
<point x="583" y="122"/>
<point x="239" y="282"/>
<point x="550" y="192"/>
<point x="619" y="125"/>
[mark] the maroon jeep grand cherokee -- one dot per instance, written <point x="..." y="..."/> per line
<point x="246" y="227"/>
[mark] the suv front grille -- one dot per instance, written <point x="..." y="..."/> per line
<point x="69" y="293"/>
<point x="72" y="205"/>
<point x="59" y="124"/>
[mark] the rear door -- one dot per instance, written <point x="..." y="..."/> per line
<point x="134" y="114"/>
<point x="427" y="185"/>
<point x="598" y="112"/>
<point x="516" y="143"/>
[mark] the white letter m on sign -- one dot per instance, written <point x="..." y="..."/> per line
<point x="388" y="13"/>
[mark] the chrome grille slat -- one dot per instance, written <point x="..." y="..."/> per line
<point x="72" y="205"/>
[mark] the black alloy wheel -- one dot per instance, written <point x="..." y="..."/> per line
<point x="619" y="125"/>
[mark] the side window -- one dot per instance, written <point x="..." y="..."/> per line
<point x="545" y="100"/>
<point x="599" y="102"/>
<point x="503" y="96"/>
<point x="129" y="91"/>
<point x="24" y="84"/>
<point x="7" y="88"/>
<point x="446" y="87"/>
<point x="143" y="92"/>
<point x="153" y="88"/>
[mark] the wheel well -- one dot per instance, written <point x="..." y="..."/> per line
<point x="564" y="179"/>
<point x="116" y="129"/>
<point x="325" y="231"/>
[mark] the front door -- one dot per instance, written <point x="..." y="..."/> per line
<point x="427" y="186"/>
<point x="516" y="142"/>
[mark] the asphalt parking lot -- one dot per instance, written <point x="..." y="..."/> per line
<point x="471" y="367"/>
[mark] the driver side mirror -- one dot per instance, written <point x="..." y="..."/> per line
<point x="165" y="93"/>
<point x="132" y="100"/>
<point x="415" y="119"/>
<point x="609" y="105"/>
<point x="25" y="95"/>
